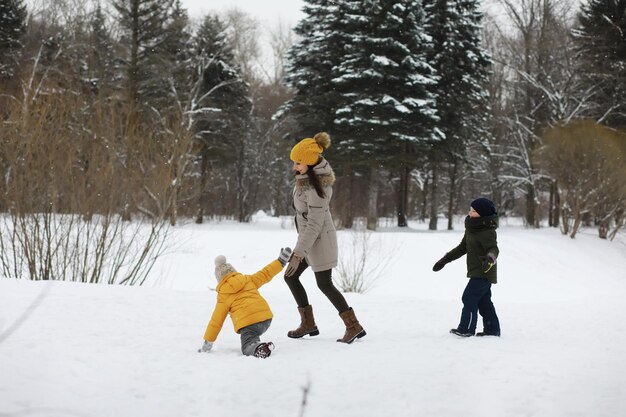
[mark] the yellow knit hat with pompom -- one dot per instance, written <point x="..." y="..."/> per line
<point x="308" y="150"/>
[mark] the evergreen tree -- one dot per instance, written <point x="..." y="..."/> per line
<point x="221" y="100"/>
<point x="12" y="27"/>
<point x="177" y="50"/>
<point x="144" y="24"/>
<point x="601" y="44"/>
<point x="387" y="110"/>
<point x="462" y="66"/>
<point x="102" y="62"/>
<point x="310" y="69"/>
<point x="221" y="89"/>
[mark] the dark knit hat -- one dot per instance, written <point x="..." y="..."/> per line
<point x="484" y="207"/>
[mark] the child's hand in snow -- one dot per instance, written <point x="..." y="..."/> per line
<point x="206" y="347"/>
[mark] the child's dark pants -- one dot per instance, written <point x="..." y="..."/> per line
<point x="250" y="336"/>
<point x="477" y="299"/>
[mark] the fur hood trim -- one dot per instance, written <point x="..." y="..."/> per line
<point x="323" y="171"/>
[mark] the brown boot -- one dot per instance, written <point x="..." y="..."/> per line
<point x="307" y="324"/>
<point x="353" y="329"/>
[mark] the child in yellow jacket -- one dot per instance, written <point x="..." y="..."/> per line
<point x="238" y="295"/>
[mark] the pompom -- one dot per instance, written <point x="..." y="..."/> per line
<point x="220" y="260"/>
<point x="322" y="139"/>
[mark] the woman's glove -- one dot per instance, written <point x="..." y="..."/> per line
<point x="294" y="263"/>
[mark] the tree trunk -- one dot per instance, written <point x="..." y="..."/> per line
<point x="174" y="206"/>
<point x="531" y="207"/>
<point x="577" y="221"/>
<point x="425" y="194"/>
<point x="172" y="202"/>
<point x="348" y="213"/>
<point x="242" y="192"/>
<point x="452" y="196"/>
<point x="403" y="191"/>
<point x="619" y="223"/>
<point x="204" y="174"/>
<point x="372" y="203"/>
<point x="434" y="198"/>
<point x="553" y="215"/>
<point x="565" y="221"/>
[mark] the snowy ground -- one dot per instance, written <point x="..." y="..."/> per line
<point x="100" y="351"/>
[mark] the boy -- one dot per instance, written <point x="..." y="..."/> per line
<point x="480" y="245"/>
<point x="238" y="295"/>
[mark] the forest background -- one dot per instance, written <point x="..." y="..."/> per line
<point x="120" y="109"/>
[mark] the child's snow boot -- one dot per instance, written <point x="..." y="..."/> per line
<point x="354" y="329"/>
<point x="481" y="334"/>
<point x="264" y="350"/>
<point x="307" y="324"/>
<point x="462" y="333"/>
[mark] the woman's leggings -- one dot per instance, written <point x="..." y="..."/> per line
<point x="324" y="283"/>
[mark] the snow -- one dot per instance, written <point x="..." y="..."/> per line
<point x="97" y="350"/>
<point x="382" y="61"/>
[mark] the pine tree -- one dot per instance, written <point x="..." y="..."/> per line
<point x="387" y="110"/>
<point x="12" y="28"/>
<point x="601" y="44"/>
<point x="221" y="89"/>
<point x="310" y="69"/>
<point x="462" y="66"/>
<point x="177" y="50"/>
<point x="102" y="62"/>
<point x="222" y="101"/>
<point x="384" y="79"/>
<point x="144" y="25"/>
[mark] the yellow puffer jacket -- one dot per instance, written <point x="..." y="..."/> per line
<point x="239" y="295"/>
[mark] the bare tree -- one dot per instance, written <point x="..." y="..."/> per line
<point x="62" y="195"/>
<point x="364" y="262"/>
<point x="540" y="88"/>
<point x="244" y="35"/>
<point x="587" y="164"/>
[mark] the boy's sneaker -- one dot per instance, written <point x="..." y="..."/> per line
<point x="461" y="333"/>
<point x="481" y="334"/>
<point x="264" y="350"/>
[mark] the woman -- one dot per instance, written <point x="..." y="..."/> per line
<point x="317" y="238"/>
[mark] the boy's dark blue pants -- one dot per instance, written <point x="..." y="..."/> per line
<point x="477" y="299"/>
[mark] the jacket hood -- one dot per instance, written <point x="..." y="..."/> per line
<point x="323" y="170"/>
<point x="480" y="223"/>
<point x="231" y="283"/>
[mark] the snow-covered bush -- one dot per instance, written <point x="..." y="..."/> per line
<point x="105" y="249"/>
<point x="362" y="260"/>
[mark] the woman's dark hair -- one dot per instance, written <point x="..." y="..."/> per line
<point x="315" y="182"/>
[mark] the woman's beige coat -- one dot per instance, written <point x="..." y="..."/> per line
<point x="317" y="238"/>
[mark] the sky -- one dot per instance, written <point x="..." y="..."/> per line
<point x="267" y="12"/>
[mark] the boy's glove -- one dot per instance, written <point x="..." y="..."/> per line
<point x="294" y="263"/>
<point x="441" y="263"/>
<point x="487" y="262"/>
<point x="285" y="253"/>
<point x="206" y="347"/>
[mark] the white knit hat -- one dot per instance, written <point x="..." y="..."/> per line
<point x="222" y="268"/>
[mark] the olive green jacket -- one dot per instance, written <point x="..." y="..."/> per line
<point x="479" y="240"/>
